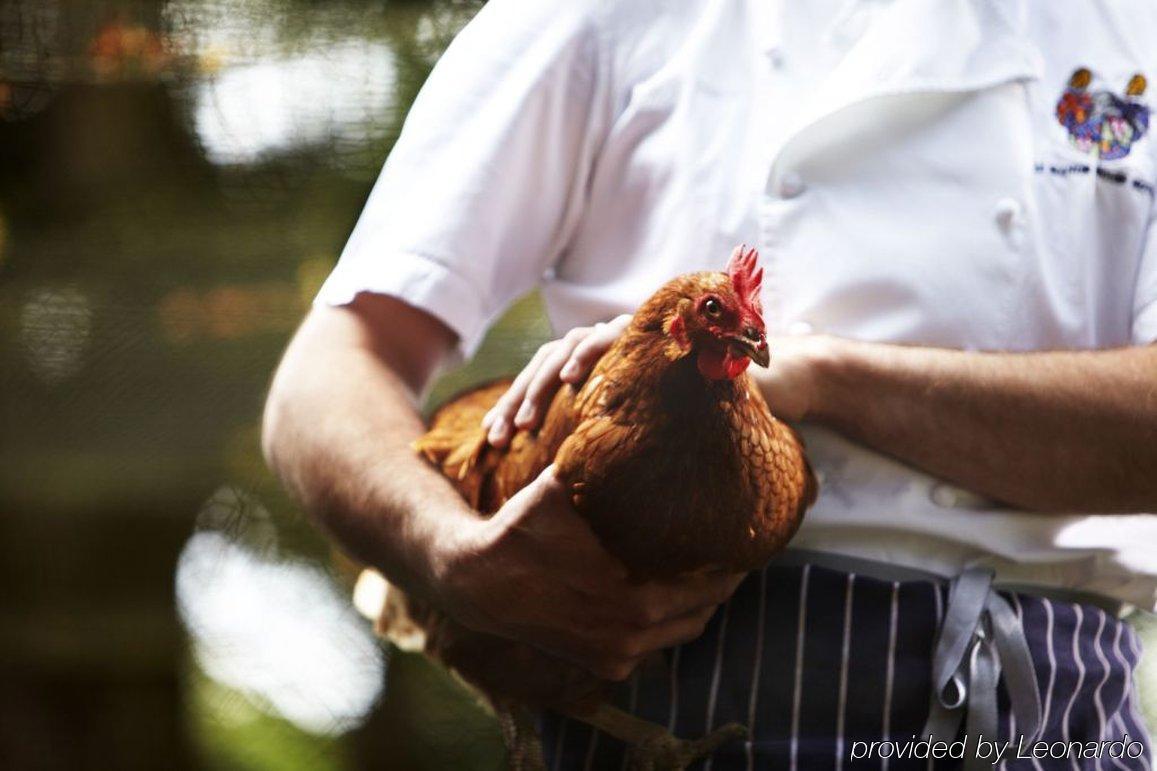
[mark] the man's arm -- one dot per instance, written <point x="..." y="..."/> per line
<point x="1055" y="431"/>
<point x="338" y="425"/>
<point x="341" y="413"/>
<point x="1059" y="431"/>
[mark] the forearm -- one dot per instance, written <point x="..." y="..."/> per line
<point x="338" y="427"/>
<point x="1058" y="431"/>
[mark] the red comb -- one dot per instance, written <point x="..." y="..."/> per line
<point x="746" y="276"/>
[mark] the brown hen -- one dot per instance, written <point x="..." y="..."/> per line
<point x="669" y="451"/>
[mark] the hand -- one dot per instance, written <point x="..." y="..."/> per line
<point x="566" y="360"/>
<point x="535" y="572"/>
<point x="792" y="384"/>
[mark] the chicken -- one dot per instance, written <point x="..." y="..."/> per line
<point x="667" y="423"/>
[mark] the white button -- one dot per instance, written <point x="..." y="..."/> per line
<point x="799" y="328"/>
<point x="1008" y="213"/>
<point x="790" y="184"/>
<point x="952" y="497"/>
<point x="946" y="496"/>
<point x="775" y="56"/>
<point x="370" y="594"/>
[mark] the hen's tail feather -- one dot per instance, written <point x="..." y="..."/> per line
<point x="456" y="442"/>
<point x="458" y="457"/>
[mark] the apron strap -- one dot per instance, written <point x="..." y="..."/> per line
<point x="979" y="636"/>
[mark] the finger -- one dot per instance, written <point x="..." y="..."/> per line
<point x="595" y="573"/>
<point x="607" y="657"/>
<point x="596" y="653"/>
<point x="546" y="501"/>
<point x="563" y="540"/>
<point x="546" y="491"/>
<point x="656" y="603"/>
<point x="545" y="381"/>
<point x="499" y="420"/>
<point x="509" y="401"/>
<point x="595" y="660"/>
<point x="612" y="652"/>
<point x="678" y="631"/>
<point x="634" y="647"/>
<point x="615" y="670"/>
<point x="582" y="360"/>
<point x="589" y="351"/>
<point x="713" y="583"/>
<point x="547" y="485"/>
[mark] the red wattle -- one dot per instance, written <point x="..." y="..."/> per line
<point x="721" y="365"/>
<point x="736" y="365"/>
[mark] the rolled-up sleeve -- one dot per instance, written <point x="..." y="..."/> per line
<point x="483" y="188"/>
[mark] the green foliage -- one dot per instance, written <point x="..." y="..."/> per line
<point x="231" y="733"/>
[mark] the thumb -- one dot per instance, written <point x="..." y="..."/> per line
<point x="539" y="490"/>
<point x="547" y="483"/>
<point x="545" y="493"/>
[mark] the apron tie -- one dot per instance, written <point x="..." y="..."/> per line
<point x="979" y="637"/>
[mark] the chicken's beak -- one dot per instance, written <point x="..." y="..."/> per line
<point x="752" y="345"/>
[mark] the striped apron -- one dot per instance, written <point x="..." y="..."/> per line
<point x="820" y="656"/>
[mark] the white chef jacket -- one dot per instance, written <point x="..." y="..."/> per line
<point x="922" y="189"/>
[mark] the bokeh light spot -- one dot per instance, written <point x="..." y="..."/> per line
<point x="277" y="630"/>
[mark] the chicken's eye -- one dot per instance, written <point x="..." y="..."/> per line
<point x="712" y="308"/>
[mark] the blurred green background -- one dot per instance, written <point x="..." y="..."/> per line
<point x="176" y="179"/>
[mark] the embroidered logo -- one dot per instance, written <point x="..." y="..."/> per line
<point x="1101" y="122"/>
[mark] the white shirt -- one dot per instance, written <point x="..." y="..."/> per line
<point x="920" y="189"/>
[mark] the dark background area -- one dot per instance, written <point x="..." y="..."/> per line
<point x="176" y="180"/>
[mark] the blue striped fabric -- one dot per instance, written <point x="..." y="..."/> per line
<point x="813" y="660"/>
